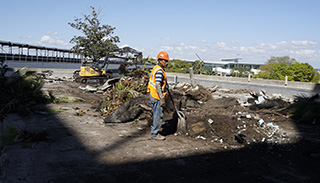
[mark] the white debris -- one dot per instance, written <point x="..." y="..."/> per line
<point x="180" y="85"/>
<point x="140" y="129"/>
<point x="195" y="88"/>
<point x="88" y="88"/>
<point x="269" y="124"/>
<point x="201" y="137"/>
<point x="210" y="121"/>
<point x="248" y="116"/>
<point x="261" y="122"/>
<point x="260" y="100"/>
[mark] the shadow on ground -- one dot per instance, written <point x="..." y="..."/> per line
<point x="64" y="158"/>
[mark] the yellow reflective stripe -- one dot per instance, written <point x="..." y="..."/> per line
<point x="152" y="78"/>
<point x="154" y="73"/>
<point x="152" y="84"/>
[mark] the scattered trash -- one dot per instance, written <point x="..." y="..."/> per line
<point x="201" y="137"/>
<point x="261" y="122"/>
<point x="260" y="100"/>
<point x="210" y="121"/>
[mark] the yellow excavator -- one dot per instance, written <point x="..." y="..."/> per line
<point x="97" y="71"/>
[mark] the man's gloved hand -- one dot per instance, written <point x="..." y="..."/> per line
<point x="162" y="102"/>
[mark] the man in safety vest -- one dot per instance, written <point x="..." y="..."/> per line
<point x="157" y="89"/>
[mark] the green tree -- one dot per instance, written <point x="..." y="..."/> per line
<point x="198" y="67"/>
<point x="270" y="69"/>
<point x="279" y="71"/>
<point x="279" y="67"/>
<point x="97" y="39"/>
<point x="179" y="66"/>
<point x="302" y="72"/>
<point x="285" y="59"/>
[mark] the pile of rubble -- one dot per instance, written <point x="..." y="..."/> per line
<point x="226" y="119"/>
<point x="221" y="119"/>
<point x="230" y="117"/>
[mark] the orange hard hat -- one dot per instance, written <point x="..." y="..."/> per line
<point x="163" y="55"/>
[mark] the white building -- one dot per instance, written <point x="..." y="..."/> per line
<point x="226" y="65"/>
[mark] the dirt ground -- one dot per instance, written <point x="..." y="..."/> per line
<point x="226" y="142"/>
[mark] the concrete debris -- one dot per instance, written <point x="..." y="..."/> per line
<point x="88" y="88"/>
<point x="260" y="100"/>
<point x="107" y="85"/>
<point x="210" y="121"/>
<point x="261" y="122"/>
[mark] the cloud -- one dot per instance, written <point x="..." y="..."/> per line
<point x="303" y="51"/>
<point x="51" y="41"/>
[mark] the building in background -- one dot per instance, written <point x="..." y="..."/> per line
<point x="226" y="65"/>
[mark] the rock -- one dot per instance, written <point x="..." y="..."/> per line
<point x="196" y="128"/>
<point x="240" y="138"/>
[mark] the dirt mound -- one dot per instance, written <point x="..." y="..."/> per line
<point x="221" y="119"/>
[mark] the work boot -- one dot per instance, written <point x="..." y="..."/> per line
<point x="159" y="137"/>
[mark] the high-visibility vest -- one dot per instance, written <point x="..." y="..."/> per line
<point x="152" y="83"/>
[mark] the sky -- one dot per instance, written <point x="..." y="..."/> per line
<point x="253" y="30"/>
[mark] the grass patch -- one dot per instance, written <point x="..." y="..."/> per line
<point x="67" y="99"/>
